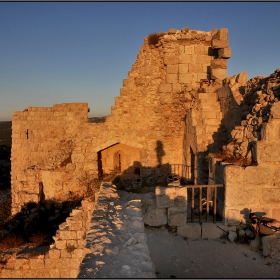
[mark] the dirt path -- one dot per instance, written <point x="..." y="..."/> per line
<point x="176" y="257"/>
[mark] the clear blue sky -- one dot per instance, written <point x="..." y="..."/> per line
<point x="55" y="52"/>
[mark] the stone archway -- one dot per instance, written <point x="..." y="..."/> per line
<point x="117" y="157"/>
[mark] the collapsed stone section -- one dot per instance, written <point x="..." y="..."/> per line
<point x="256" y="111"/>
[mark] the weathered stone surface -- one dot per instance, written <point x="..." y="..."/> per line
<point x="213" y="231"/>
<point x="275" y="110"/>
<point x="177" y="216"/>
<point x="224" y="53"/>
<point x="155" y="216"/>
<point x="219" y="64"/>
<point x="257" y="175"/>
<point x="218" y="73"/>
<point x="219" y="44"/>
<point x="240" y="196"/>
<point x="192" y="230"/>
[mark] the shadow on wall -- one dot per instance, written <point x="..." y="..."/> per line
<point x="136" y="175"/>
<point x="159" y="152"/>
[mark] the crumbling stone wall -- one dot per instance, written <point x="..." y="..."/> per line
<point x="253" y="188"/>
<point x="64" y="256"/>
<point x="59" y="148"/>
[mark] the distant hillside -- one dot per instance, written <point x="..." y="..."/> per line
<point x="6" y="133"/>
<point x="97" y="119"/>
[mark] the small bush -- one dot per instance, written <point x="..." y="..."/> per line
<point x="153" y="39"/>
<point x="4" y="259"/>
<point x="39" y="238"/>
<point x="5" y="206"/>
<point x="11" y="241"/>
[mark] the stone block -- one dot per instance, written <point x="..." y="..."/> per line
<point x="176" y="87"/>
<point x="270" y="195"/>
<point x="200" y="49"/>
<point x="205" y="60"/>
<point x="60" y="244"/>
<point x="232" y="216"/>
<point x="64" y="273"/>
<point x="180" y="199"/>
<point x="234" y="176"/>
<point x="187" y="77"/>
<point x="77" y="253"/>
<point x="164" y="197"/>
<point x="172" y="78"/>
<point x="68" y="234"/>
<point x="212" y="122"/>
<point x="240" y="196"/>
<point x="172" y="69"/>
<point x="242" y="78"/>
<point x="63" y="263"/>
<point x="257" y="175"/>
<point x="50" y="263"/>
<point x="37" y="263"/>
<point x="155" y="216"/>
<point x="276" y="178"/>
<point x="195" y="68"/>
<point x="191" y="230"/>
<point x="219" y="44"/>
<point x="177" y="216"/>
<point x="22" y="274"/>
<point x="73" y="273"/>
<point x="211" y="231"/>
<point x="22" y="264"/>
<point x="222" y="34"/>
<point x="218" y="74"/>
<point x="171" y="59"/>
<point x="54" y="273"/>
<point x="66" y="253"/>
<point x="77" y="158"/>
<point x="224" y="53"/>
<point x="54" y="254"/>
<point x="183" y="68"/>
<point x="275" y="110"/>
<point x="276" y="213"/>
<point x="73" y="243"/>
<point x="190" y="49"/>
<point x="165" y="88"/>
<point x="218" y="64"/>
<point x="75" y="225"/>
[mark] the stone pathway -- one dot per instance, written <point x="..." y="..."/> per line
<point x="116" y="244"/>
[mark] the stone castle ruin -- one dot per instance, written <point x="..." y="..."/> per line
<point x="178" y="112"/>
<point x="176" y="107"/>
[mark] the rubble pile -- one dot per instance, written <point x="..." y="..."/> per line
<point x="260" y="94"/>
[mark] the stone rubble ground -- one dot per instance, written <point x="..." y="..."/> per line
<point x="116" y="242"/>
<point x="178" y="257"/>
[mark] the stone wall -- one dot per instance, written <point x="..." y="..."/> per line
<point x="168" y="206"/>
<point x="59" y="148"/>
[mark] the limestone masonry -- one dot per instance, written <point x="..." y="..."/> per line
<point x="176" y="106"/>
